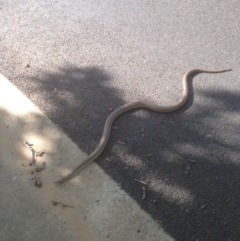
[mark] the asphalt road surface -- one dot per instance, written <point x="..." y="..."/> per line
<point x="79" y="60"/>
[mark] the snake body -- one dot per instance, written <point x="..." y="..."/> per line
<point x="131" y="106"/>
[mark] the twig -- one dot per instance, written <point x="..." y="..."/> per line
<point x="54" y="203"/>
<point x="193" y="161"/>
<point x="144" y="183"/>
<point x="120" y="142"/>
<point x="37" y="179"/>
<point x="40" y="154"/>
<point x="35" y="168"/>
<point x="55" y="91"/>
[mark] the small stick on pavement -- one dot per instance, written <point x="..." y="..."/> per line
<point x="55" y="90"/>
<point x="120" y="142"/>
<point x="54" y="203"/>
<point x="144" y="183"/>
<point x="35" y="168"/>
<point x="40" y="154"/>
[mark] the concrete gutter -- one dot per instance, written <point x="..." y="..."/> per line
<point x="102" y="211"/>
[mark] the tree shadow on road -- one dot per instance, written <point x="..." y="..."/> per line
<point x="188" y="159"/>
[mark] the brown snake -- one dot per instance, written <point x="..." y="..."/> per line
<point x="131" y="106"/>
